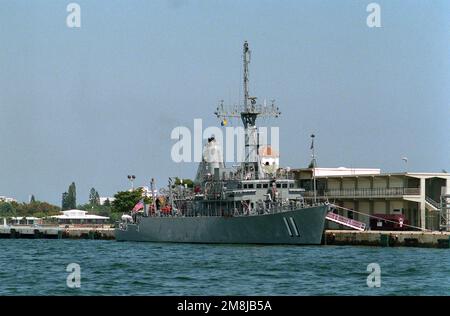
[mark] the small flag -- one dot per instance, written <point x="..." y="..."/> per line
<point x="138" y="206"/>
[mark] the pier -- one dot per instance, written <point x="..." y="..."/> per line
<point x="31" y="232"/>
<point x="55" y="232"/>
<point x="88" y="233"/>
<point x="426" y="239"/>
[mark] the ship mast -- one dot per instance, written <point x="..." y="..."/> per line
<point x="249" y="113"/>
<point x="246" y="61"/>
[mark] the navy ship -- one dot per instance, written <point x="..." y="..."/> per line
<point x="254" y="202"/>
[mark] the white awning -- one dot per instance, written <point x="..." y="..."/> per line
<point x="27" y="218"/>
<point x="79" y="217"/>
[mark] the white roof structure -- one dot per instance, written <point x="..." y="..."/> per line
<point x="77" y="214"/>
<point x="342" y="171"/>
<point x="7" y="199"/>
<point x="29" y="218"/>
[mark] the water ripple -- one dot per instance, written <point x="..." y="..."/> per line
<point x="38" y="267"/>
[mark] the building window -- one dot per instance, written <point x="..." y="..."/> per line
<point x="258" y="185"/>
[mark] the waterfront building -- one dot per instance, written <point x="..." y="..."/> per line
<point x="79" y="217"/>
<point x="417" y="196"/>
<point x="29" y="220"/>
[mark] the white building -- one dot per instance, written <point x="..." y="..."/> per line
<point x="7" y="199"/>
<point x="79" y="217"/>
<point x="103" y="199"/>
<point x="368" y="192"/>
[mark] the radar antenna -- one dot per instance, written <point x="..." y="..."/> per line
<point x="248" y="113"/>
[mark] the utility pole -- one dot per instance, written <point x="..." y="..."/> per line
<point x="152" y="187"/>
<point x="405" y="159"/>
<point x="131" y="178"/>
<point x="313" y="167"/>
<point x="171" y="195"/>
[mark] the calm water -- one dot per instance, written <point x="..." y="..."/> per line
<point x="38" y="267"/>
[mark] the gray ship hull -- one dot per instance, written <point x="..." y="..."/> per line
<point x="303" y="226"/>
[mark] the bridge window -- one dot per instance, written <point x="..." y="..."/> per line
<point x="285" y="185"/>
<point x="258" y="185"/>
<point x="265" y="185"/>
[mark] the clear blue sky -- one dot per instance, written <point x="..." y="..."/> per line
<point x="94" y="104"/>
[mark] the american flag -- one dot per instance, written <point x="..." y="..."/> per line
<point x="138" y="206"/>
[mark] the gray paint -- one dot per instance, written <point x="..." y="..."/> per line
<point x="258" y="229"/>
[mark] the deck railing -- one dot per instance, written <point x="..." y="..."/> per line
<point x="366" y="192"/>
<point x="273" y="209"/>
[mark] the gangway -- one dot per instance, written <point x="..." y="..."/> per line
<point x="362" y="226"/>
<point x="348" y="222"/>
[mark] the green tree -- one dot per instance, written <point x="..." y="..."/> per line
<point x="98" y="209"/>
<point x="94" y="197"/>
<point x="72" y="196"/>
<point x="65" y="201"/>
<point x="7" y="209"/>
<point x="188" y="182"/>
<point x="126" y="200"/>
<point x="32" y="199"/>
<point x="38" y="209"/>
<point x="107" y="202"/>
